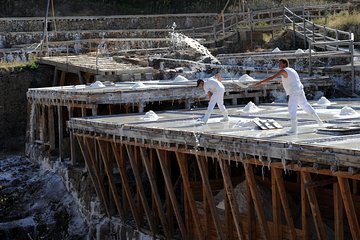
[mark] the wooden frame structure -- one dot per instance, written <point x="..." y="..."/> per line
<point x="172" y="176"/>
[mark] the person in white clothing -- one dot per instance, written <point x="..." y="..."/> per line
<point x="295" y="90"/>
<point x="215" y="91"/>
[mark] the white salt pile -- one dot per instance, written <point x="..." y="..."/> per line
<point x="250" y="108"/>
<point x="299" y="51"/>
<point x="307" y="51"/>
<point x="138" y="85"/>
<point x="97" y="84"/>
<point x="180" y="79"/>
<point x="151" y="116"/>
<point x="246" y="78"/>
<point x="276" y="50"/>
<point x="246" y="124"/>
<point x="323" y="101"/>
<point x="347" y="111"/>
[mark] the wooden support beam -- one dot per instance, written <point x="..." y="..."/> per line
<point x="118" y="154"/>
<point x="51" y="127"/>
<point x="61" y="132"/>
<point x="62" y="78"/>
<point x="305" y="213"/>
<point x="230" y="194"/>
<point x="251" y="215"/>
<point x="154" y="190"/>
<point x="84" y="147"/>
<point x="140" y="187"/>
<point x="285" y="203"/>
<point x="349" y="207"/>
<point x="170" y="190"/>
<point x="109" y="172"/>
<point x="207" y="190"/>
<point x="338" y="213"/>
<point x="182" y="162"/>
<point x="276" y="210"/>
<point x="257" y="202"/>
<point x="319" y="225"/>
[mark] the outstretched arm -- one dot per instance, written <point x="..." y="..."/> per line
<point x="276" y="75"/>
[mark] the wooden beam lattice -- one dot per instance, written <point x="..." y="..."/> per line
<point x="119" y="157"/>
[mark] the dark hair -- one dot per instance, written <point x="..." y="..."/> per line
<point x="284" y="60"/>
<point x="199" y="81"/>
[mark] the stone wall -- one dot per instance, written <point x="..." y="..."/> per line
<point x="13" y="103"/>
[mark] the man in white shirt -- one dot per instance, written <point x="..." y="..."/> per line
<point x="295" y="90"/>
<point x="215" y="91"/>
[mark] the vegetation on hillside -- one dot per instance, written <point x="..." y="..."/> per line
<point x="23" y="8"/>
<point x="346" y="21"/>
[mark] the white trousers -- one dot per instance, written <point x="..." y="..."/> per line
<point x="217" y="98"/>
<point x="296" y="100"/>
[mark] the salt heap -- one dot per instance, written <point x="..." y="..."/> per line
<point x="299" y="51"/>
<point x="246" y="78"/>
<point x="250" y="108"/>
<point x="323" y="101"/>
<point x="151" y="116"/>
<point x="246" y="123"/>
<point x="138" y="85"/>
<point x="180" y="79"/>
<point x="276" y="50"/>
<point x="307" y="51"/>
<point x="347" y="111"/>
<point x="97" y="84"/>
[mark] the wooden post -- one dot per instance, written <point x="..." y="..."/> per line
<point x="276" y="210"/>
<point x="257" y="202"/>
<point x="338" y="213"/>
<point x="51" y="127"/>
<point x="183" y="166"/>
<point x="207" y="188"/>
<point x="170" y="190"/>
<point x="349" y="207"/>
<point x="230" y="194"/>
<point x="304" y="210"/>
<point x="61" y="131"/>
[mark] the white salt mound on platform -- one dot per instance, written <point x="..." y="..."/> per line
<point x="138" y="85"/>
<point x="299" y="51"/>
<point x="250" y="108"/>
<point x="151" y="116"/>
<point x="180" y="79"/>
<point x="307" y="51"/>
<point x="323" y="101"/>
<point x="246" y="123"/>
<point x="246" y="78"/>
<point x="276" y="50"/>
<point x="347" y="111"/>
<point x="97" y="84"/>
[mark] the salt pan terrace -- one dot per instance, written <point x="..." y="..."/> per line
<point x="189" y="168"/>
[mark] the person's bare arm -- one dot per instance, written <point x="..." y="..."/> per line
<point x="276" y="75"/>
<point x="209" y="94"/>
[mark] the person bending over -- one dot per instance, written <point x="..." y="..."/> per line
<point x="295" y="90"/>
<point x="215" y="91"/>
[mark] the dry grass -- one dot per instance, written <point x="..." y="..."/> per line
<point x="345" y="21"/>
<point x="11" y="66"/>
